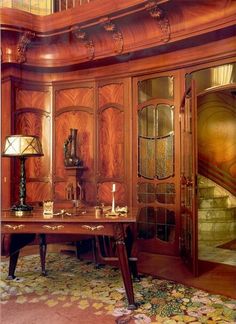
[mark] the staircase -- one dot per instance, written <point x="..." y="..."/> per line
<point x="216" y="214"/>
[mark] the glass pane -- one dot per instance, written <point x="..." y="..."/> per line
<point x="146" y="192"/>
<point x="161" y="88"/>
<point x="146" y="118"/>
<point x="165" y="193"/>
<point x="146" y="158"/>
<point x="165" y="157"/>
<point x="164" y="123"/>
<point x="213" y="77"/>
<point x="165" y="224"/>
<point x="146" y="223"/>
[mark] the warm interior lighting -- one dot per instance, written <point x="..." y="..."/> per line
<point x="22" y="146"/>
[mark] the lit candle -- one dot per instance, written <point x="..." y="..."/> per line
<point x="114" y="187"/>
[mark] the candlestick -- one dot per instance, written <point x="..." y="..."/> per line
<point x="113" y="202"/>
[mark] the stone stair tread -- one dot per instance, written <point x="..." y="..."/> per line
<point x="215" y="197"/>
<point x="217" y="208"/>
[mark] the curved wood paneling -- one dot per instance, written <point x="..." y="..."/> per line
<point x="109" y="29"/>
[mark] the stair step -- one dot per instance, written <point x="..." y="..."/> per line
<point x="217" y="214"/>
<point x="206" y="192"/>
<point x="218" y="202"/>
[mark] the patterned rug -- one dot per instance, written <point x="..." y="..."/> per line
<point x="72" y="284"/>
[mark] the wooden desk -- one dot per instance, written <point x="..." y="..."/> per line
<point x="77" y="223"/>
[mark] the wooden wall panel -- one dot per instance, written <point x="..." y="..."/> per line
<point x="111" y="93"/>
<point x="82" y="97"/>
<point x="32" y="116"/>
<point x="31" y="123"/>
<point x="111" y="143"/>
<point x="104" y="194"/>
<point x="31" y="99"/>
<point x="38" y="191"/>
<point x="5" y="131"/>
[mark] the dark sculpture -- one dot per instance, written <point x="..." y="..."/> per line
<point x="70" y="158"/>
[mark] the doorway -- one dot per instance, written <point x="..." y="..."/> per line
<point x="216" y="138"/>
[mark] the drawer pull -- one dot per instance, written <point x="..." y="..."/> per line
<point x="14" y="227"/>
<point x="93" y="228"/>
<point x="56" y="227"/>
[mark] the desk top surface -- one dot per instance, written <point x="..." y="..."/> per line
<point x="75" y="215"/>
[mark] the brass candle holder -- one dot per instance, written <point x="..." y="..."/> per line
<point x="113" y="212"/>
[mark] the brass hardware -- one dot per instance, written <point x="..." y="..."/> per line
<point x="55" y="227"/>
<point x="93" y="228"/>
<point x="14" y="227"/>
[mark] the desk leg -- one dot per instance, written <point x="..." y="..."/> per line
<point x="12" y="265"/>
<point x="42" y="252"/>
<point x="124" y="264"/>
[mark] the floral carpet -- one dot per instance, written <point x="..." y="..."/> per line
<point x="73" y="283"/>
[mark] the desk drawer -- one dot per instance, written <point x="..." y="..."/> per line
<point x="61" y="228"/>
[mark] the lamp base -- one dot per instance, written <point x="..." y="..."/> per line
<point x="21" y="208"/>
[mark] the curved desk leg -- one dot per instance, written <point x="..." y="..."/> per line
<point x="124" y="264"/>
<point x="42" y="252"/>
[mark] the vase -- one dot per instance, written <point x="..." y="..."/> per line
<point x="70" y="145"/>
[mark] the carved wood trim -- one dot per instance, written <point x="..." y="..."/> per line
<point x="22" y="45"/>
<point x="160" y="15"/>
<point x="117" y="36"/>
<point x="82" y="36"/>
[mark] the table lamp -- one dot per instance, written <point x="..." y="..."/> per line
<point x="22" y="146"/>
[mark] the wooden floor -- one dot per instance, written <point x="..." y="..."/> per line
<point x="213" y="277"/>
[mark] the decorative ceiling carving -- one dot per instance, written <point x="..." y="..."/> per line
<point x="22" y="45"/>
<point x="157" y="13"/>
<point x="117" y="36"/>
<point x="111" y="33"/>
<point x="83" y="38"/>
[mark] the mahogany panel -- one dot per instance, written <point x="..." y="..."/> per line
<point x="111" y="143"/>
<point x="60" y="191"/>
<point x="83" y="121"/>
<point x="31" y="123"/>
<point x="38" y="191"/>
<point x="104" y="194"/>
<point x="111" y="93"/>
<point x="76" y="97"/>
<point x="32" y="99"/>
<point x="89" y="191"/>
<point x="5" y="131"/>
